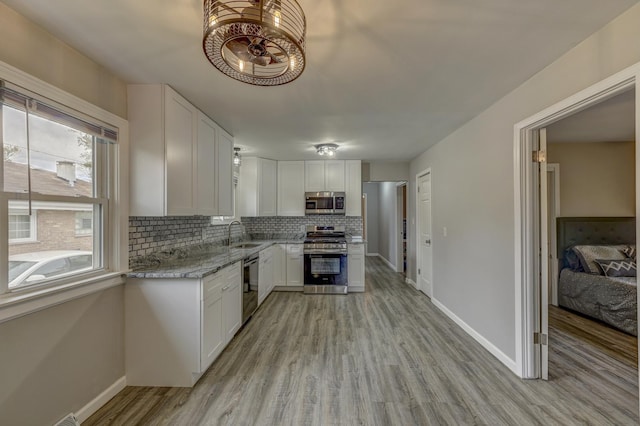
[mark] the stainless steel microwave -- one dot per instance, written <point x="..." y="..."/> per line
<point x="324" y="203"/>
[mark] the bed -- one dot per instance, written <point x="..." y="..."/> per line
<point x="597" y="276"/>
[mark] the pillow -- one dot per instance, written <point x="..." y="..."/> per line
<point x="618" y="268"/>
<point x="630" y="252"/>
<point x="589" y="253"/>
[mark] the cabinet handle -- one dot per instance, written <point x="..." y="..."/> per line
<point x="226" y="288"/>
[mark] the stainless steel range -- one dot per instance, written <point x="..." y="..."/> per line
<point x="325" y="260"/>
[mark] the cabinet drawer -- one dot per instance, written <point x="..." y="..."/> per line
<point x="212" y="286"/>
<point x="356" y="248"/>
<point x="294" y="249"/>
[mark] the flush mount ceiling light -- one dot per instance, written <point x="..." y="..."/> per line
<point x="258" y="42"/>
<point x="237" y="160"/>
<point x="328" y="149"/>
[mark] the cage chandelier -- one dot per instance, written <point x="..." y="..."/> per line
<point x="260" y="42"/>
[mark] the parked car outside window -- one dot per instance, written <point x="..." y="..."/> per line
<point x="30" y="268"/>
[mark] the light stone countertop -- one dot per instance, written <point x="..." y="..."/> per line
<point x="198" y="261"/>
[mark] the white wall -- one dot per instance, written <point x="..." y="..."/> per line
<point x="55" y="361"/>
<point x="473" y="185"/>
<point x="373" y="222"/>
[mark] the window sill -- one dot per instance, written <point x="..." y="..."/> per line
<point x="14" y="305"/>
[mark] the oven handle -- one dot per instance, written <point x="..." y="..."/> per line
<point x="324" y="251"/>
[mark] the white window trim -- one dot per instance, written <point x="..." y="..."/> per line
<point x="15" y="304"/>
<point x="33" y="228"/>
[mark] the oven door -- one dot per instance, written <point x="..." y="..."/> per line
<point x="325" y="269"/>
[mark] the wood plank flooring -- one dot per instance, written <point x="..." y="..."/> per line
<point x="384" y="357"/>
<point x="575" y="330"/>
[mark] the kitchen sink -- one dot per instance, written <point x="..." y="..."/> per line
<point x="246" y="245"/>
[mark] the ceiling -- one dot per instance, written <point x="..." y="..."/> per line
<point x="384" y="79"/>
<point x="612" y="120"/>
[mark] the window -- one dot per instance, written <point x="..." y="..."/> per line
<point x="57" y="173"/>
<point x="22" y="226"/>
<point x="84" y="223"/>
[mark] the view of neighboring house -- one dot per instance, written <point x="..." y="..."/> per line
<point x="51" y="225"/>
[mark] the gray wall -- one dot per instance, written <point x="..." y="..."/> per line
<point x="473" y="185"/>
<point x="596" y="179"/>
<point x="373" y="222"/>
<point x="387" y="227"/>
<point x="55" y="361"/>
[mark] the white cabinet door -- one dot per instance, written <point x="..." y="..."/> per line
<point x="265" y="274"/>
<point x="355" y="267"/>
<point x="294" y="265"/>
<point x="279" y="265"/>
<point x="225" y="173"/>
<point x="291" y="188"/>
<point x="206" y="202"/>
<point x="353" y="187"/>
<point x="334" y="175"/>
<point x="232" y="301"/>
<point x="314" y="176"/>
<point x="213" y="333"/>
<point x="180" y="135"/>
<point x="267" y="179"/>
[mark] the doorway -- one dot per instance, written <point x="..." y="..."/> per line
<point x="531" y="232"/>
<point x="385" y="214"/>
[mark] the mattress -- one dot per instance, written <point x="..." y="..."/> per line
<point x="612" y="300"/>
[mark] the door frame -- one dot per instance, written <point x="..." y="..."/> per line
<point x="553" y="170"/>
<point x="418" y="250"/>
<point x="527" y="265"/>
<point x="400" y="205"/>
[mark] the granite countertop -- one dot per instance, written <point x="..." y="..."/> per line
<point x="200" y="260"/>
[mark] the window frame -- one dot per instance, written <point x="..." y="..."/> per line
<point x="33" y="228"/>
<point x="115" y="213"/>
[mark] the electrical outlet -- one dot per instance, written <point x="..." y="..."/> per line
<point x="444" y="231"/>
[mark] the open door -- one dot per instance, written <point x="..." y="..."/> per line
<point x="542" y="339"/>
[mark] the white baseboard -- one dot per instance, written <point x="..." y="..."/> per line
<point x="493" y="350"/>
<point x="389" y="264"/>
<point x="85" y="412"/>
<point x="411" y="282"/>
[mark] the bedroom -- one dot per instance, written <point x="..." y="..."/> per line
<point x="591" y="205"/>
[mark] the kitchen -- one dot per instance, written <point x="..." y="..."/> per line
<point x="300" y="229"/>
<point x="80" y="340"/>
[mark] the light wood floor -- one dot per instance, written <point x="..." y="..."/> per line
<point x="385" y="357"/>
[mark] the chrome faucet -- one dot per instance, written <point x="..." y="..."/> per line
<point x="229" y="229"/>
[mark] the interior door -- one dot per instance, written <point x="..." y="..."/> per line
<point x="544" y="259"/>
<point x="425" y="266"/>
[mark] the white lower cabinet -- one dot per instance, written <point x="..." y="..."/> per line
<point x="295" y="265"/>
<point x="355" y="267"/>
<point x="265" y="274"/>
<point x="175" y="328"/>
<point x="232" y="302"/>
<point x="279" y="265"/>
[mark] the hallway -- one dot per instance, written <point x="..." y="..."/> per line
<point x="384" y="357"/>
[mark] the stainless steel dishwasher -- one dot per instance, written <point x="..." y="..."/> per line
<point x="249" y="286"/>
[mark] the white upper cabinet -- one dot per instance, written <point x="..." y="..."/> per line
<point x="178" y="156"/>
<point x="334" y="175"/>
<point x="321" y="175"/>
<point x="224" y="173"/>
<point x="353" y="187"/>
<point x="291" y="188"/>
<point x="314" y="176"/>
<point x="257" y="186"/>
<point x="206" y="160"/>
